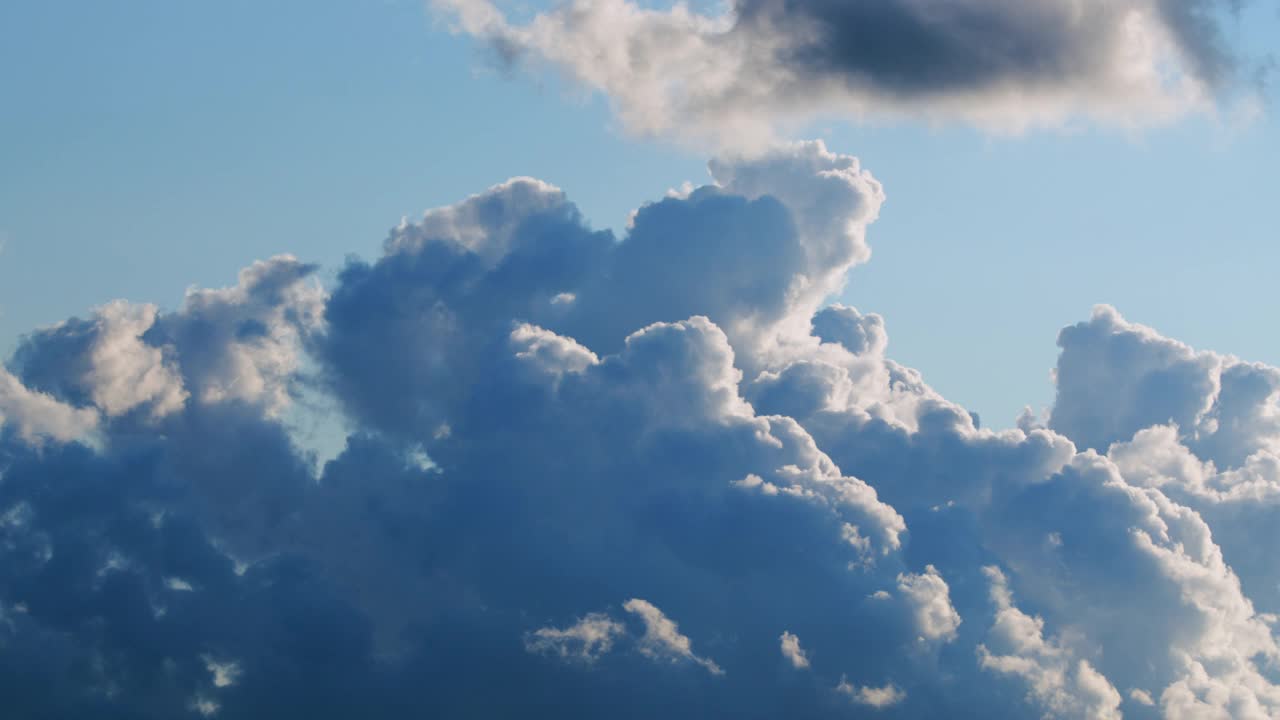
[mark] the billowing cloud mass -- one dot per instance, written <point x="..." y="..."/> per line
<point x="654" y="475"/>
<point x="735" y="75"/>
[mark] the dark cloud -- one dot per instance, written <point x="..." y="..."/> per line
<point x="916" y="49"/>
<point x="919" y="48"/>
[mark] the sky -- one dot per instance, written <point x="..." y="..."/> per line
<point x="636" y="360"/>
<point x="194" y="138"/>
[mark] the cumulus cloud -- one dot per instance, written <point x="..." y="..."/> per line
<point x="104" y="362"/>
<point x="668" y="430"/>
<point x="123" y="372"/>
<point x="930" y="598"/>
<point x="238" y="344"/>
<point x="549" y="352"/>
<point x="1064" y="685"/>
<point x="231" y="345"/>
<point x="737" y="74"/>
<point x="1115" y="378"/>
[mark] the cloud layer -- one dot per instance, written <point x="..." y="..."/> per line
<point x="735" y="77"/>
<point x="647" y="476"/>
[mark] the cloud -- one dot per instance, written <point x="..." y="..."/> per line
<point x="230" y="345"/>
<point x="585" y="641"/>
<point x="38" y="415"/>
<point x="738" y="75"/>
<point x="595" y="634"/>
<point x="1142" y="697"/>
<point x="662" y="639"/>
<point x="875" y="697"/>
<point x="237" y="344"/>
<point x="613" y="505"/>
<point x="930" y="597"/>
<point x="224" y="673"/>
<point x="550" y="353"/>
<point x="1063" y="685"/>
<point x="1115" y="378"/>
<point x="791" y="650"/>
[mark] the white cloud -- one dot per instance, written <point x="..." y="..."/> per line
<point x="876" y="697"/>
<point x="1142" y="697"/>
<point x="549" y="352"/>
<point x="585" y="641"/>
<point x="38" y="416"/>
<point x="178" y="585"/>
<point x="205" y="706"/>
<point x="791" y="650"/>
<point x="243" y="343"/>
<point x="225" y="674"/>
<point x="929" y="596"/>
<point x="1115" y="378"/>
<point x="662" y="638"/>
<point x="124" y="372"/>
<point x="1065" y="686"/>
<point x="486" y="224"/>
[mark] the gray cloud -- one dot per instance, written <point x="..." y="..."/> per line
<point x="919" y="48"/>
<point x="737" y="77"/>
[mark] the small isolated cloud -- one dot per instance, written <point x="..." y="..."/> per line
<point x="791" y="650"/>
<point x="876" y="697"/>
<point x="596" y="634"/>
<point x="225" y="674"/>
<point x="204" y="706"/>
<point x="584" y="641"/>
<point x="738" y="74"/>
<point x="178" y="585"/>
<point x="1142" y="697"/>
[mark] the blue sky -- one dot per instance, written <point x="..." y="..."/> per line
<point x="150" y="146"/>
